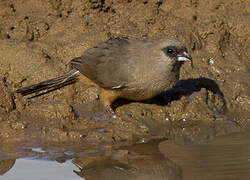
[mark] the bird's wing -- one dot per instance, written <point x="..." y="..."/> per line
<point x="109" y="64"/>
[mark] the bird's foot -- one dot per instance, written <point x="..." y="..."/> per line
<point x="111" y="112"/>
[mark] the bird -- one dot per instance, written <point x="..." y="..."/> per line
<point x="124" y="67"/>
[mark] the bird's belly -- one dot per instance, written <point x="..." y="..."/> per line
<point x="138" y="95"/>
<point x="149" y="89"/>
<point x="143" y="93"/>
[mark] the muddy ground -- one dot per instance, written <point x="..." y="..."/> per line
<point x="38" y="38"/>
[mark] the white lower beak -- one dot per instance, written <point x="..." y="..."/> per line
<point x="184" y="57"/>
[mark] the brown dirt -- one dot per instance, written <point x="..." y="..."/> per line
<point x="39" y="37"/>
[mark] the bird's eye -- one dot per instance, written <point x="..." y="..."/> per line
<point x="170" y="51"/>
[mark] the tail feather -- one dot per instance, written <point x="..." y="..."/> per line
<point x="50" y="84"/>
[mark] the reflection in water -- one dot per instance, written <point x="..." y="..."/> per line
<point x="217" y="158"/>
<point x="33" y="169"/>
<point x="226" y="157"/>
<point x="137" y="162"/>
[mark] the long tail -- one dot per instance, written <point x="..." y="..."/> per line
<point x="51" y="84"/>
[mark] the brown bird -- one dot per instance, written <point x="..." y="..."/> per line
<point x="127" y="68"/>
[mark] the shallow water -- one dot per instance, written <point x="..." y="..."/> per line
<point x="223" y="157"/>
<point x="27" y="168"/>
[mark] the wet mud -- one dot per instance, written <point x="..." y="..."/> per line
<point x="39" y="38"/>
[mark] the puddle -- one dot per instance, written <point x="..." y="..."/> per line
<point x="225" y="157"/>
<point x="39" y="169"/>
<point x="221" y="157"/>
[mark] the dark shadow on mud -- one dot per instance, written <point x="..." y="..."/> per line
<point x="186" y="88"/>
<point x="182" y="88"/>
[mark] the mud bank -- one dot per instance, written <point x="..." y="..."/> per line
<point x="39" y="38"/>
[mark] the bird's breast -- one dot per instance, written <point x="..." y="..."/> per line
<point x="147" y="84"/>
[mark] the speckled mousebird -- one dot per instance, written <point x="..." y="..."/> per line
<point x="127" y="68"/>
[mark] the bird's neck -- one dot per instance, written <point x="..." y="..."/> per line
<point x="176" y="67"/>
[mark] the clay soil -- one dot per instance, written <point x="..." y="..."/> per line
<point x="38" y="38"/>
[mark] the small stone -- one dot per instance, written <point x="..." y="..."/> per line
<point x="211" y="61"/>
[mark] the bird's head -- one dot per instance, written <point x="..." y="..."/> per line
<point x="175" y="50"/>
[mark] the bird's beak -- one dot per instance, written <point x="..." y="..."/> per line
<point x="185" y="57"/>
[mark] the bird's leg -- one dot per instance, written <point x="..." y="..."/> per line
<point x="107" y="97"/>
